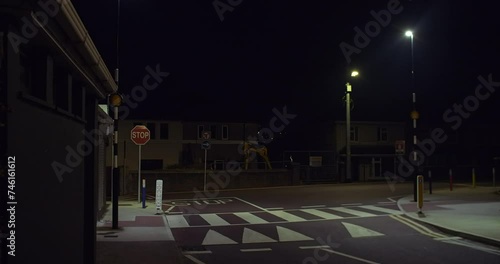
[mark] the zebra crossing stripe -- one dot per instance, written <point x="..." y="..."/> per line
<point x="214" y="220"/>
<point x="351" y="211"/>
<point x="287" y="216"/>
<point x="381" y="209"/>
<point x="321" y="214"/>
<point x="250" y="218"/>
<point x="175" y="221"/>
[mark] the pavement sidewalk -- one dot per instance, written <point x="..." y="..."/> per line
<point x="142" y="237"/>
<point x="472" y="213"/>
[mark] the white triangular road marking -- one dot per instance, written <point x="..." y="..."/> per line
<point x="214" y="238"/>
<point x="250" y="236"/>
<point x="359" y="231"/>
<point x="287" y="235"/>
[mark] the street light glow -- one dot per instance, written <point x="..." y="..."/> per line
<point x="354" y="73"/>
<point x="409" y="33"/>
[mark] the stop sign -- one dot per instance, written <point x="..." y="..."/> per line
<point x="140" y="135"/>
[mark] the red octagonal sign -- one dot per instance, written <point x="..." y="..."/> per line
<point x="140" y="135"/>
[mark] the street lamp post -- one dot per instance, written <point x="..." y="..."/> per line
<point x="348" y="126"/>
<point x="414" y="116"/>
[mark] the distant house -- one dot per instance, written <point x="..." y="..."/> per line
<point x="51" y="80"/>
<point x="372" y="147"/>
<point x="176" y="144"/>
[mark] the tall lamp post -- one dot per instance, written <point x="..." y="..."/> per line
<point x="414" y="116"/>
<point x="348" y="126"/>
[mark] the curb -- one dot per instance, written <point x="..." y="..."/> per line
<point x="450" y="231"/>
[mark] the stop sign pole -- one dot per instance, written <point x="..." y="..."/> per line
<point x="140" y="135"/>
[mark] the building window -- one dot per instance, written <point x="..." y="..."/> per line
<point x="77" y="98"/>
<point x="164" y="131"/>
<point x="225" y="132"/>
<point x="33" y="74"/>
<point x="61" y="88"/>
<point x="152" y="130"/>
<point x="201" y="128"/>
<point x="213" y="132"/>
<point x="382" y="134"/>
<point x="354" y="133"/>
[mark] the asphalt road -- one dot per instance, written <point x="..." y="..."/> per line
<point x="354" y="223"/>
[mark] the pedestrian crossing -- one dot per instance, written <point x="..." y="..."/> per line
<point x="277" y="216"/>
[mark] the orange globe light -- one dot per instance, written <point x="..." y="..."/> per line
<point x="414" y="114"/>
<point x="115" y="99"/>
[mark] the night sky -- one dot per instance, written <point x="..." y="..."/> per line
<point x="267" y="54"/>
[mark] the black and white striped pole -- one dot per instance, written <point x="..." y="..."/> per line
<point x="115" y="100"/>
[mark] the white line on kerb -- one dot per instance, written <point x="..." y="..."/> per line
<point x="313" y="206"/>
<point x="255" y="249"/>
<point x="390" y="199"/>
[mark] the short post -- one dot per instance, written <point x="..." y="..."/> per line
<point x="493" y="176"/>
<point x="143" y="193"/>
<point x="473" y="178"/>
<point x="430" y="182"/>
<point x="205" y="174"/>
<point x="420" y="193"/>
<point x="451" y="180"/>
<point x="158" y="198"/>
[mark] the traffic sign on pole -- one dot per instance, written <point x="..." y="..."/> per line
<point x="140" y="135"/>
<point x="205" y="145"/>
<point x="206" y="135"/>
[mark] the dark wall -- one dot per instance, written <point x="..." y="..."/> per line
<point x="52" y="225"/>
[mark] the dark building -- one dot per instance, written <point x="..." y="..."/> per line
<point x="51" y="79"/>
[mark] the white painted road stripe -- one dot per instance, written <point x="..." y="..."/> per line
<point x="351" y="204"/>
<point x="255" y="249"/>
<point x="321" y="214"/>
<point x="214" y="220"/>
<point x="287" y="216"/>
<point x="250" y="218"/>
<point x="196" y="252"/>
<point x="275" y="208"/>
<point x="386" y="202"/>
<point x="350" y="211"/>
<point x="381" y="209"/>
<point x="256" y="206"/>
<point x="313" y="247"/>
<point x="313" y="206"/>
<point x="349" y="256"/>
<point x="193" y="259"/>
<point x="175" y="221"/>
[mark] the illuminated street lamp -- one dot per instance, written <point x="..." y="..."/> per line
<point x="414" y="116"/>
<point x="348" y="126"/>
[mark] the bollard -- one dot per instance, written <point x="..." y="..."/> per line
<point x="493" y="176"/>
<point x="473" y="178"/>
<point x="430" y="182"/>
<point x="420" y="192"/>
<point x="143" y="193"/>
<point x="451" y="180"/>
